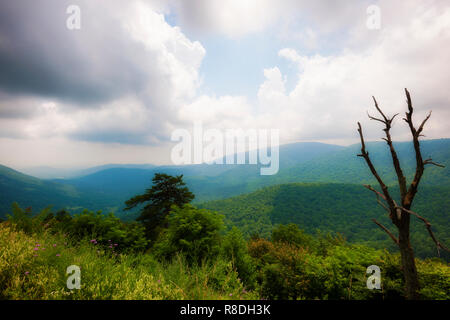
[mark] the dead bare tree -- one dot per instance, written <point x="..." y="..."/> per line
<point x="400" y="214"/>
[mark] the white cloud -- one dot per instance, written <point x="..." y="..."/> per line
<point x="217" y="112"/>
<point x="232" y="18"/>
<point x="147" y="74"/>
<point x="137" y="68"/>
<point x="237" y="18"/>
<point x="334" y="92"/>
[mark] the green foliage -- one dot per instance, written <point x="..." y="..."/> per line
<point x="435" y="279"/>
<point x="33" y="265"/>
<point x="26" y="273"/>
<point x="234" y="249"/>
<point x="165" y="192"/>
<point x="193" y="232"/>
<point x="106" y="230"/>
<point x="337" y="208"/>
<point x="291" y="234"/>
<point x="23" y="219"/>
<point x="287" y="271"/>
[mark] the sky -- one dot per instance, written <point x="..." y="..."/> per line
<point x="114" y="90"/>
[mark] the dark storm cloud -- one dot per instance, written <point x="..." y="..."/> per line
<point x="119" y="136"/>
<point x="119" y="79"/>
<point x="40" y="56"/>
<point x="12" y="107"/>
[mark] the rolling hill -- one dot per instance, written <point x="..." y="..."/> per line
<point x="32" y="192"/>
<point x="107" y="187"/>
<point x="342" y="208"/>
<point x="299" y="162"/>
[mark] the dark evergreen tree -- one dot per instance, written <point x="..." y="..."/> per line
<point x="166" y="191"/>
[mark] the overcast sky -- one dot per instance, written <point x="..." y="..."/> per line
<point x="114" y="90"/>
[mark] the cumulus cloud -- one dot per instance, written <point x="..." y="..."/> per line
<point x="236" y="18"/>
<point x="333" y="92"/>
<point x="91" y="73"/>
<point x="232" y="18"/>
<point x="128" y="77"/>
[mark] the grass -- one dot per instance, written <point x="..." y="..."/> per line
<point x="34" y="267"/>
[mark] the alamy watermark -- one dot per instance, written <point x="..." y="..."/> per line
<point x="230" y="146"/>
<point x="74" y="280"/>
<point x="373" y="281"/>
<point x="373" y="21"/>
<point x="73" y="21"/>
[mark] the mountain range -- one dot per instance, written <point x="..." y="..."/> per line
<point x="318" y="186"/>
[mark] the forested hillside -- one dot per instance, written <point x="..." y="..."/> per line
<point x="337" y="208"/>
<point x="300" y="162"/>
<point x="344" y="166"/>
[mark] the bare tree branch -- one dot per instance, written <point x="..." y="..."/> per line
<point x="383" y="205"/>
<point x="368" y="186"/>
<point x="401" y="221"/>
<point x="373" y="118"/>
<point x="365" y="155"/>
<point x="386" y="120"/>
<point x="428" y="226"/>
<point x="406" y="202"/>
<point x="429" y="161"/>
<point x="386" y="230"/>
<point x="423" y="123"/>
<point x="379" y="194"/>
<point x="388" y="125"/>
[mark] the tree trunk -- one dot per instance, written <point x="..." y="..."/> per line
<point x="400" y="216"/>
<point x="408" y="262"/>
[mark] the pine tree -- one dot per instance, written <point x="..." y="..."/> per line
<point x="166" y="191"/>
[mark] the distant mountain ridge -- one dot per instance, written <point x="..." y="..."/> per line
<point x="107" y="187"/>
<point x="49" y="173"/>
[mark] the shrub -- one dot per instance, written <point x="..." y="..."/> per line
<point x="107" y="230"/>
<point x="291" y="234"/>
<point x="24" y="219"/>
<point x="191" y="231"/>
<point x="234" y="249"/>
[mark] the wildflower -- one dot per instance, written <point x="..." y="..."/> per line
<point x="36" y="249"/>
<point x="93" y="240"/>
<point x="115" y="244"/>
<point x="28" y="272"/>
<point x="159" y="281"/>
<point x="58" y="255"/>
<point x="54" y="244"/>
<point x="110" y="247"/>
<point x="231" y="294"/>
<point x="35" y="255"/>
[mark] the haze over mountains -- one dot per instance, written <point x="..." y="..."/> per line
<point x="107" y="187"/>
<point x="318" y="186"/>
